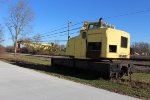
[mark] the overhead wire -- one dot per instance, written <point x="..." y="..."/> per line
<point x="63" y="26"/>
<point x="77" y="23"/>
<point x="55" y="32"/>
<point x="51" y="41"/>
<point x="60" y="32"/>
<point x="52" y="32"/>
<point x="131" y="13"/>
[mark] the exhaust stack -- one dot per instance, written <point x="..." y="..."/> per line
<point x="101" y="22"/>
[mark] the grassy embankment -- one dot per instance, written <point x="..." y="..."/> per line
<point x="138" y="87"/>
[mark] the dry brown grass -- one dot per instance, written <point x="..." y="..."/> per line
<point x="1" y="50"/>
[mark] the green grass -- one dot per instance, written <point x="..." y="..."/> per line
<point x="35" y="60"/>
<point x="140" y="77"/>
<point x="127" y="88"/>
<point x="138" y="87"/>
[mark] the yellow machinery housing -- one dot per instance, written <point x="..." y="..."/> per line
<point x="99" y="40"/>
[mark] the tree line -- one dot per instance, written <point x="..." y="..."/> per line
<point x="140" y="48"/>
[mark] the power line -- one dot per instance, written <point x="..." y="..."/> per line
<point x="55" y="41"/>
<point x="54" y="30"/>
<point x="58" y="26"/>
<point x="131" y="13"/>
<point x="57" y="36"/>
<point x="77" y="23"/>
<point x="54" y="33"/>
<point x="51" y="33"/>
<point x="60" y="32"/>
<point x="63" y="28"/>
<point x="137" y="12"/>
<point x="59" y="29"/>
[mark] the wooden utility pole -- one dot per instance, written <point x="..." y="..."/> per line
<point x="69" y="29"/>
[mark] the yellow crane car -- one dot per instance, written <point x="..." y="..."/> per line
<point x="99" y="40"/>
<point x="95" y="48"/>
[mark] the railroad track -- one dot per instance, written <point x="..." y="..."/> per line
<point x="137" y="60"/>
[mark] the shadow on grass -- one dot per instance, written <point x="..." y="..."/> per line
<point x="66" y="71"/>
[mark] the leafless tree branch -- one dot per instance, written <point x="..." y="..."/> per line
<point x="1" y="34"/>
<point x="20" y="17"/>
<point x="141" y="48"/>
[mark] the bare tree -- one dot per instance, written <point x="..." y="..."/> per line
<point x="1" y="40"/>
<point x="37" y="38"/>
<point x="141" y="48"/>
<point x="1" y="35"/>
<point x="20" y="17"/>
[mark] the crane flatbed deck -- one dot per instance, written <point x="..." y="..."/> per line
<point x="106" y="68"/>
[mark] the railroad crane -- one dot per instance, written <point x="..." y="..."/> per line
<point x="98" y="47"/>
<point x="34" y="45"/>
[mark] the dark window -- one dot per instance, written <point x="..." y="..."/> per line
<point x="112" y="48"/>
<point x="91" y="26"/>
<point x="94" y="46"/>
<point x="83" y="35"/>
<point x="104" y="25"/>
<point x="94" y="26"/>
<point x="124" y="42"/>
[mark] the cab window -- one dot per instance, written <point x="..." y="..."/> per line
<point x="124" y="42"/>
<point x="91" y="26"/>
<point x="94" y="26"/>
<point x="113" y="48"/>
<point x="94" y="46"/>
<point x="83" y="35"/>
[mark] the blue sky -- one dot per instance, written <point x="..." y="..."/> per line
<point x="53" y="13"/>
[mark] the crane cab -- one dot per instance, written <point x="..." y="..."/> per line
<point x="99" y="40"/>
